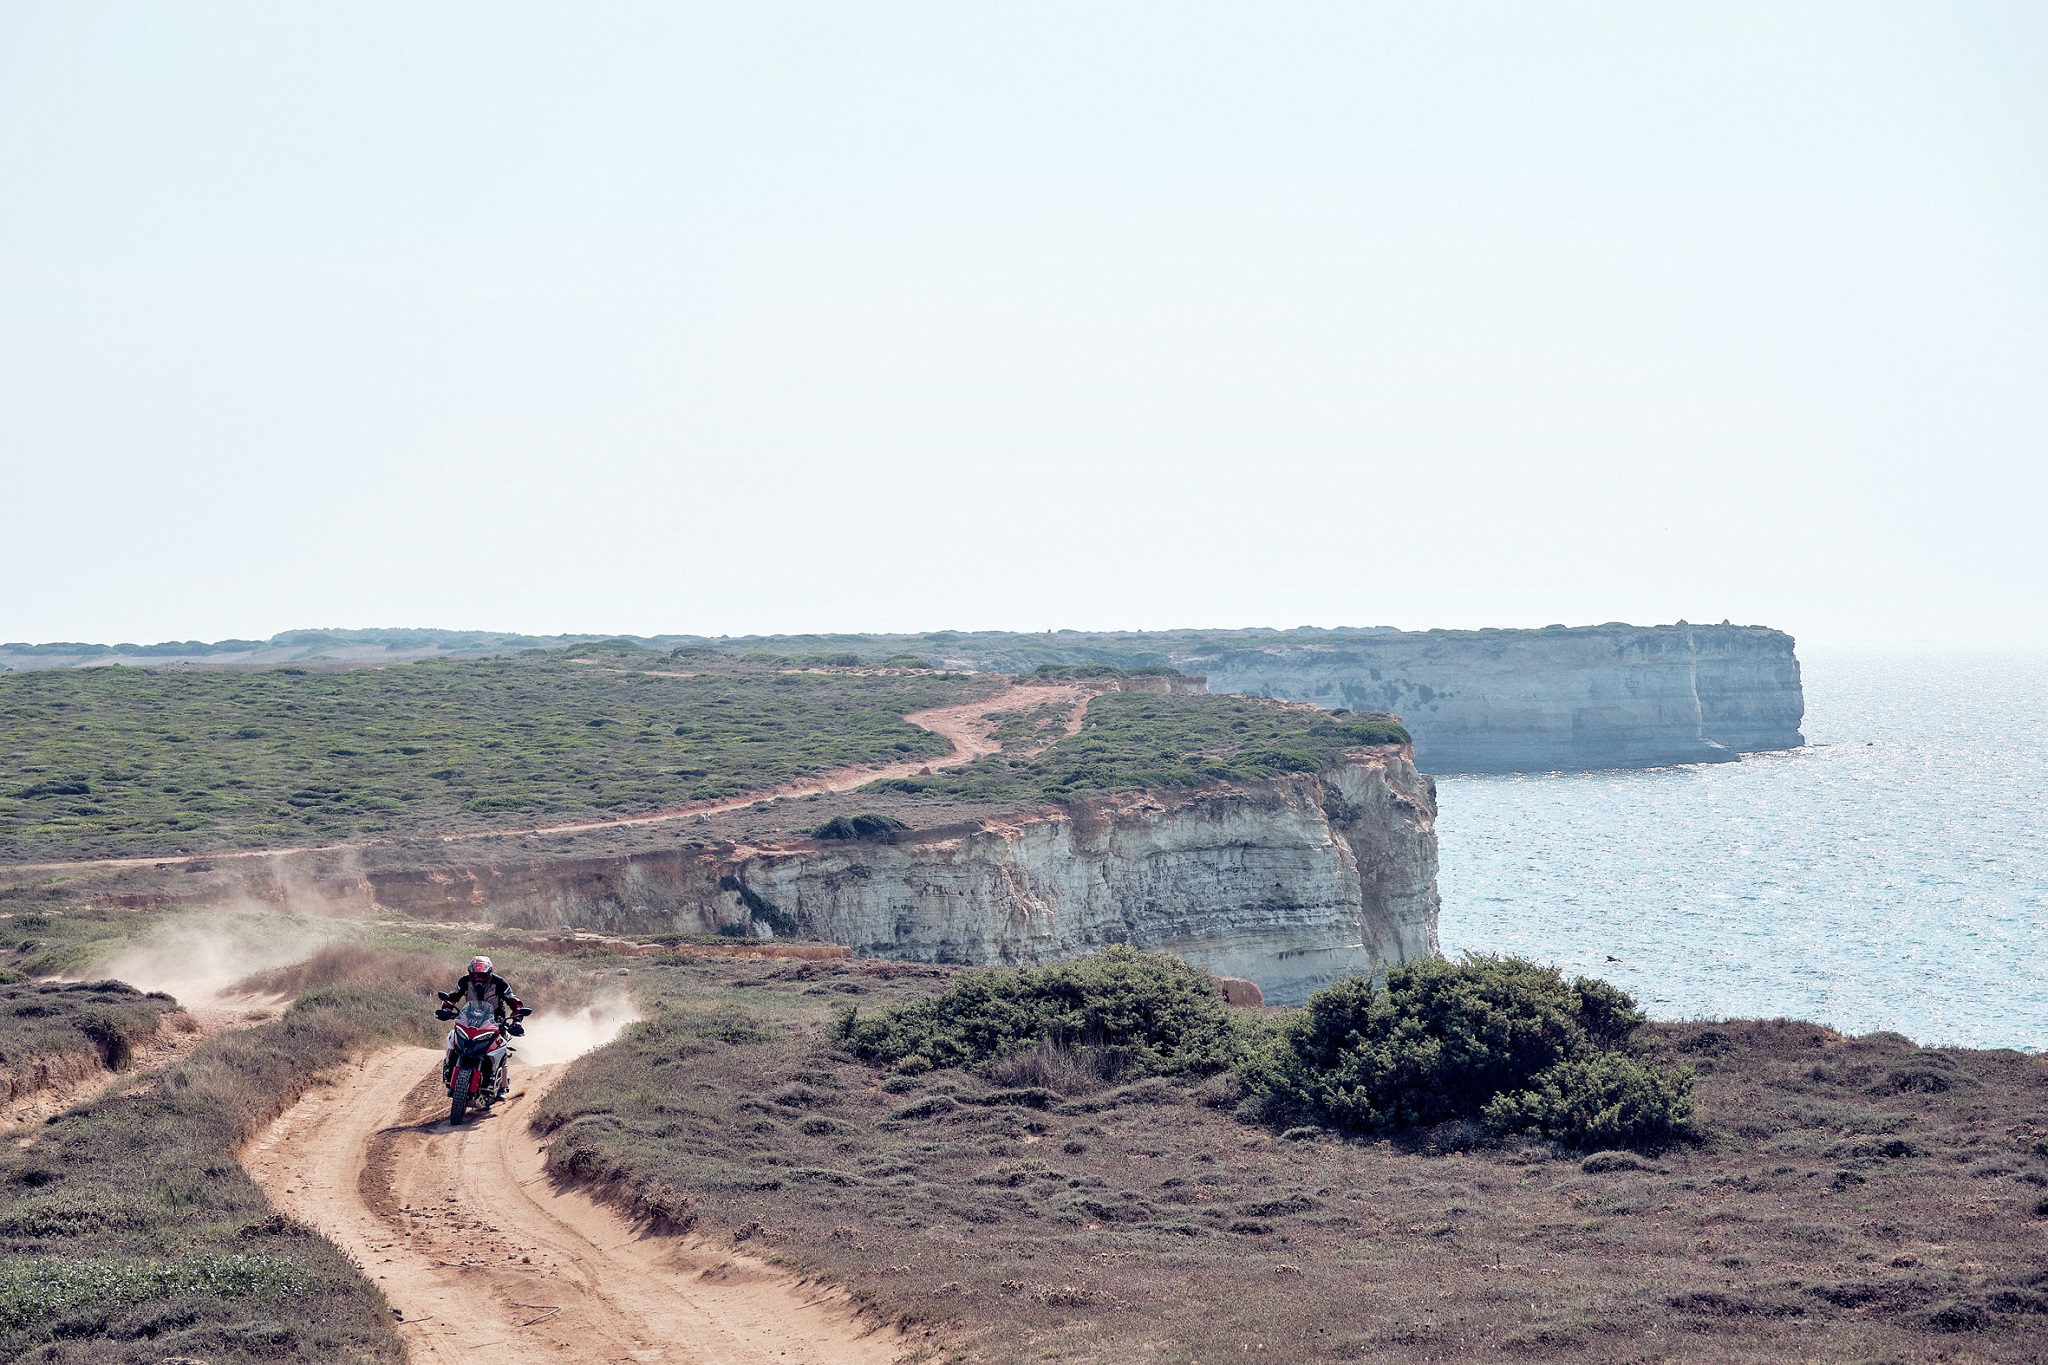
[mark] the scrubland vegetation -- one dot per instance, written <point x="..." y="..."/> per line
<point x="123" y="762"/>
<point x="130" y="1233"/>
<point x="107" y="761"/>
<point x="1130" y="740"/>
<point x="1063" y="1164"/>
<point x="51" y="1032"/>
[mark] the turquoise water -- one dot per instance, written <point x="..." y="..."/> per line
<point x="1893" y="875"/>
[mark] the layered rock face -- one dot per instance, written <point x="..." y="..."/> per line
<point x="1540" y="700"/>
<point x="1287" y="882"/>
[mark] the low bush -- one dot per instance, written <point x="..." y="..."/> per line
<point x="866" y="825"/>
<point x="1496" y="1040"/>
<point x="1608" y="1099"/>
<point x="1131" y="1012"/>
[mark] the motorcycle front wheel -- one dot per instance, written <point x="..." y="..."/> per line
<point x="458" y="1103"/>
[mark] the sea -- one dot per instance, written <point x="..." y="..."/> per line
<point x="1892" y="874"/>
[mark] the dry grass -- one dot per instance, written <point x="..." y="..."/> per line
<point x="348" y="966"/>
<point x="56" y="1032"/>
<point x="1854" y="1199"/>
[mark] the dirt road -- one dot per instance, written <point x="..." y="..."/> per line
<point x="469" y="1242"/>
<point x="962" y="724"/>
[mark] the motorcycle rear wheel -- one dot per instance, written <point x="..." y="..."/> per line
<point x="458" y="1103"/>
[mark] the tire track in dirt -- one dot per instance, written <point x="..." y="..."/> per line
<point x="962" y="724"/>
<point x="472" y="1246"/>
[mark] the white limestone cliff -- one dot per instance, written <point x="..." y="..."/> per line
<point x="1286" y="881"/>
<point x="1537" y="700"/>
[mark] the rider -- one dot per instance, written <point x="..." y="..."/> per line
<point x="482" y="983"/>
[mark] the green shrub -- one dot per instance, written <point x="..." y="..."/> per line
<point x="866" y="825"/>
<point x="1161" y="1015"/>
<point x="1447" y="1041"/>
<point x="1607" y="1099"/>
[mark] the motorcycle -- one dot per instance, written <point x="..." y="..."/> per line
<point x="478" y="1063"/>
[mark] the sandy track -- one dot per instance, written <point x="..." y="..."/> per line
<point x="962" y="724"/>
<point x="471" y="1244"/>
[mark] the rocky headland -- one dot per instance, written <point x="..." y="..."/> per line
<point x="1288" y="881"/>
<point x="1540" y="700"/>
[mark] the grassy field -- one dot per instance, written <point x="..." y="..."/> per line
<point x="1130" y="740"/>
<point x="122" y="761"/>
<point x="1849" y="1199"/>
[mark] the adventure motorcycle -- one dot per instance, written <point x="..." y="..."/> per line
<point x="477" y="1066"/>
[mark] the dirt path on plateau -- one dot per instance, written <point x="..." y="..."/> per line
<point x="963" y="724"/>
<point x="475" y="1250"/>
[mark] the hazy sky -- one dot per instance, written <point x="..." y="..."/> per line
<point x="756" y="317"/>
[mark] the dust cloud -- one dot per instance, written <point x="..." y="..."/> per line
<point x="561" y="1038"/>
<point x="199" y="958"/>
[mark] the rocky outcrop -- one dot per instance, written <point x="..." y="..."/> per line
<point x="1537" y="700"/>
<point x="1286" y="882"/>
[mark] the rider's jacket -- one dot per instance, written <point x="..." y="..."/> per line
<point x="492" y="990"/>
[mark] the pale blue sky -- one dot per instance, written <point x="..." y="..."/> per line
<point x="754" y="317"/>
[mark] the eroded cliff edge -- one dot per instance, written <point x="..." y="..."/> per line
<point x="1289" y="881"/>
<point x="1543" y="700"/>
